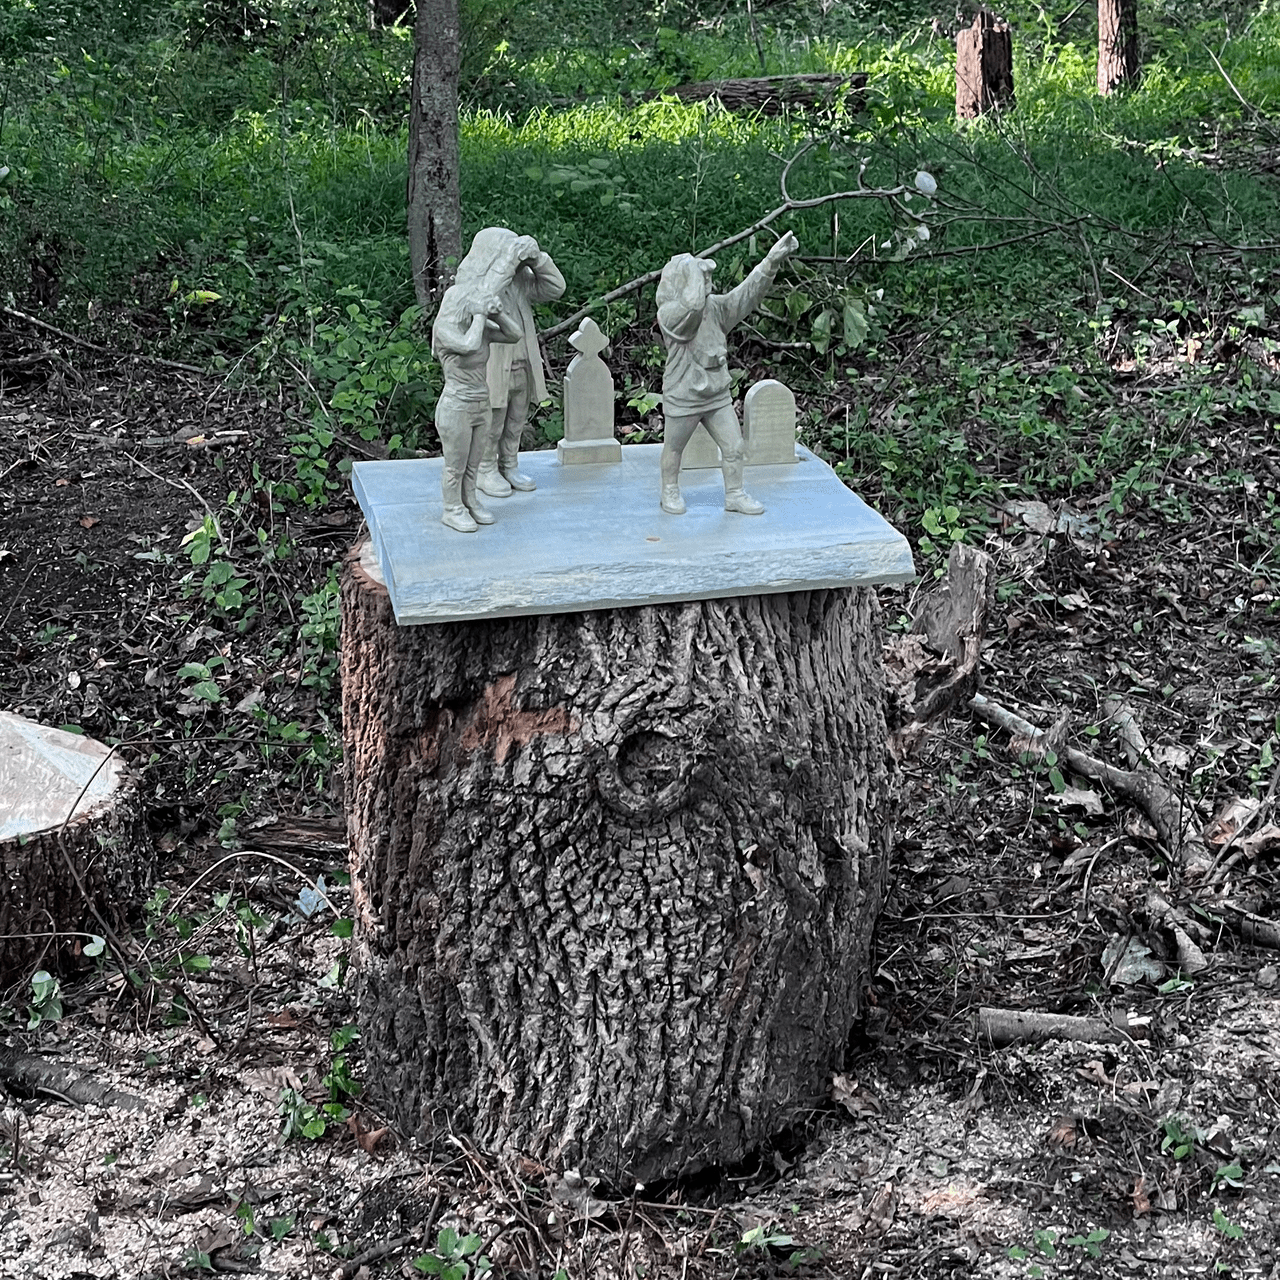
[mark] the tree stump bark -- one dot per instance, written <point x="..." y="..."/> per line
<point x="1118" y="63"/>
<point x="984" y="66"/>
<point x="55" y="877"/>
<point x="615" y="873"/>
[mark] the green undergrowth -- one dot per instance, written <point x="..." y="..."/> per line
<point x="233" y="188"/>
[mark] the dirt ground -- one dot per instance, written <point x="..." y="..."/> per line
<point x="1016" y="885"/>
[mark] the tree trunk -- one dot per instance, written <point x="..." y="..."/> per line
<point x="56" y="876"/>
<point x="1118" y="63"/>
<point x="984" y="66"/>
<point x="435" y="213"/>
<point x="615" y="873"/>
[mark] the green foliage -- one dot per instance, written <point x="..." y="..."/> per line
<point x="46" y="1000"/>
<point x="455" y="1257"/>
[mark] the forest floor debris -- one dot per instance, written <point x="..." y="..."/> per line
<point x="938" y="1155"/>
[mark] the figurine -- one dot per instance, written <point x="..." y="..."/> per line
<point x="515" y="372"/>
<point x="471" y="319"/>
<point x="695" y="383"/>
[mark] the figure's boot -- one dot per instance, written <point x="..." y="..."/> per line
<point x="672" y="503"/>
<point x="509" y="466"/>
<point x="471" y="500"/>
<point x="736" y="498"/>
<point x="456" y="516"/>
<point x="490" y="479"/>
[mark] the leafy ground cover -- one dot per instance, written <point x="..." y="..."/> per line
<point x="1077" y="370"/>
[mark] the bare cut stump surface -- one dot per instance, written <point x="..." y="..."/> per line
<point x="54" y="876"/>
<point x="615" y="873"/>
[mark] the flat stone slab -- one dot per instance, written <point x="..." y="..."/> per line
<point x="594" y="537"/>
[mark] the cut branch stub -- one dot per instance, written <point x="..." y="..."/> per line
<point x="616" y="872"/>
<point x="73" y="843"/>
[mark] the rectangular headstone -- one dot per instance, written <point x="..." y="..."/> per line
<point x="769" y="423"/>
<point x="594" y="537"/>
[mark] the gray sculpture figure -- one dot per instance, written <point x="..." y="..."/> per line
<point x="515" y="372"/>
<point x="471" y="320"/>
<point x="695" y="382"/>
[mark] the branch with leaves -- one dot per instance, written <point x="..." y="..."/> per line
<point x="924" y="184"/>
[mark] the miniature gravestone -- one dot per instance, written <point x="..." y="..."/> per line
<point x="72" y="833"/>
<point x="769" y="423"/>
<point x="695" y="381"/>
<point x="619" y="812"/>
<point x="588" y="402"/>
<point x="515" y="373"/>
<point x="768" y="430"/>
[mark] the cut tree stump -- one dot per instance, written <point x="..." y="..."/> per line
<point x="615" y="873"/>
<point x="984" y="66"/>
<point x="72" y="838"/>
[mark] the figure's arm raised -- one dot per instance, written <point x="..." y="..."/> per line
<point x="739" y="303"/>
<point x="450" y="338"/>
<point x="503" y="327"/>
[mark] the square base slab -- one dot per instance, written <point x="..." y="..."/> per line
<point x="594" y="537"/>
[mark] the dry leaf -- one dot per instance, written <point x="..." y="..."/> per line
<point x="855" y="1100"/>
<point x="1077" y="798"/>
<point x="61" y="482"/>
<point x="1062" y="1133"/>
<point x="1231" y="817"/>
<point x="1141" y="1205"/>
<point x="87" y="522"/>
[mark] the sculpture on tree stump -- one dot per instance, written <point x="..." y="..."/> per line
<point x="615" y="872"/>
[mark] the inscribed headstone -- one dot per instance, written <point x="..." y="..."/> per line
<point x="769" y="423"/>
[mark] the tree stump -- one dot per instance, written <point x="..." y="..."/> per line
<point x="1118" y="63"/>
<point x="984" y="66"/>
<point x="55" y="875"/>
<point x="615" y="873"/>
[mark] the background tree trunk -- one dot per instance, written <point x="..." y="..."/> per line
<point x="435" y="213"/>
<point x="1118" y="63"/>
<point x="53" y="878"/>
<point x="615" y="873"/>
<point x="984" y="66"/>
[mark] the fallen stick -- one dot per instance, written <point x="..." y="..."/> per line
<point x="1250" y="926"/>
<point x="1002" y="1027"/>
<point x="36" y="322"/>
<point x="1144" y="787"/>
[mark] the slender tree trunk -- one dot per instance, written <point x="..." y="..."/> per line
<point x="1118" y="63"/>
<point x="615" y="873"/>
<point x="435" y="214"/>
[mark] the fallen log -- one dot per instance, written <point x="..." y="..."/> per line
<point x="771" y="95"/>
<point x="29" y="1073"/>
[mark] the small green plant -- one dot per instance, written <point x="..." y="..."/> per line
<point x="1232" y="1230"/>
<point x="1180" y="1137"/>
<point x="301" y="1118"/>
<point x="46" y="1000"/>
<point x="455" y="1257"/>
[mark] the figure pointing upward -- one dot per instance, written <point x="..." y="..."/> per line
<point x="695" y="383"/>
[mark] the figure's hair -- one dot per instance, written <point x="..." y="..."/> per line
<point x="485" y="269"/>
<point x="683" y="280"/>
